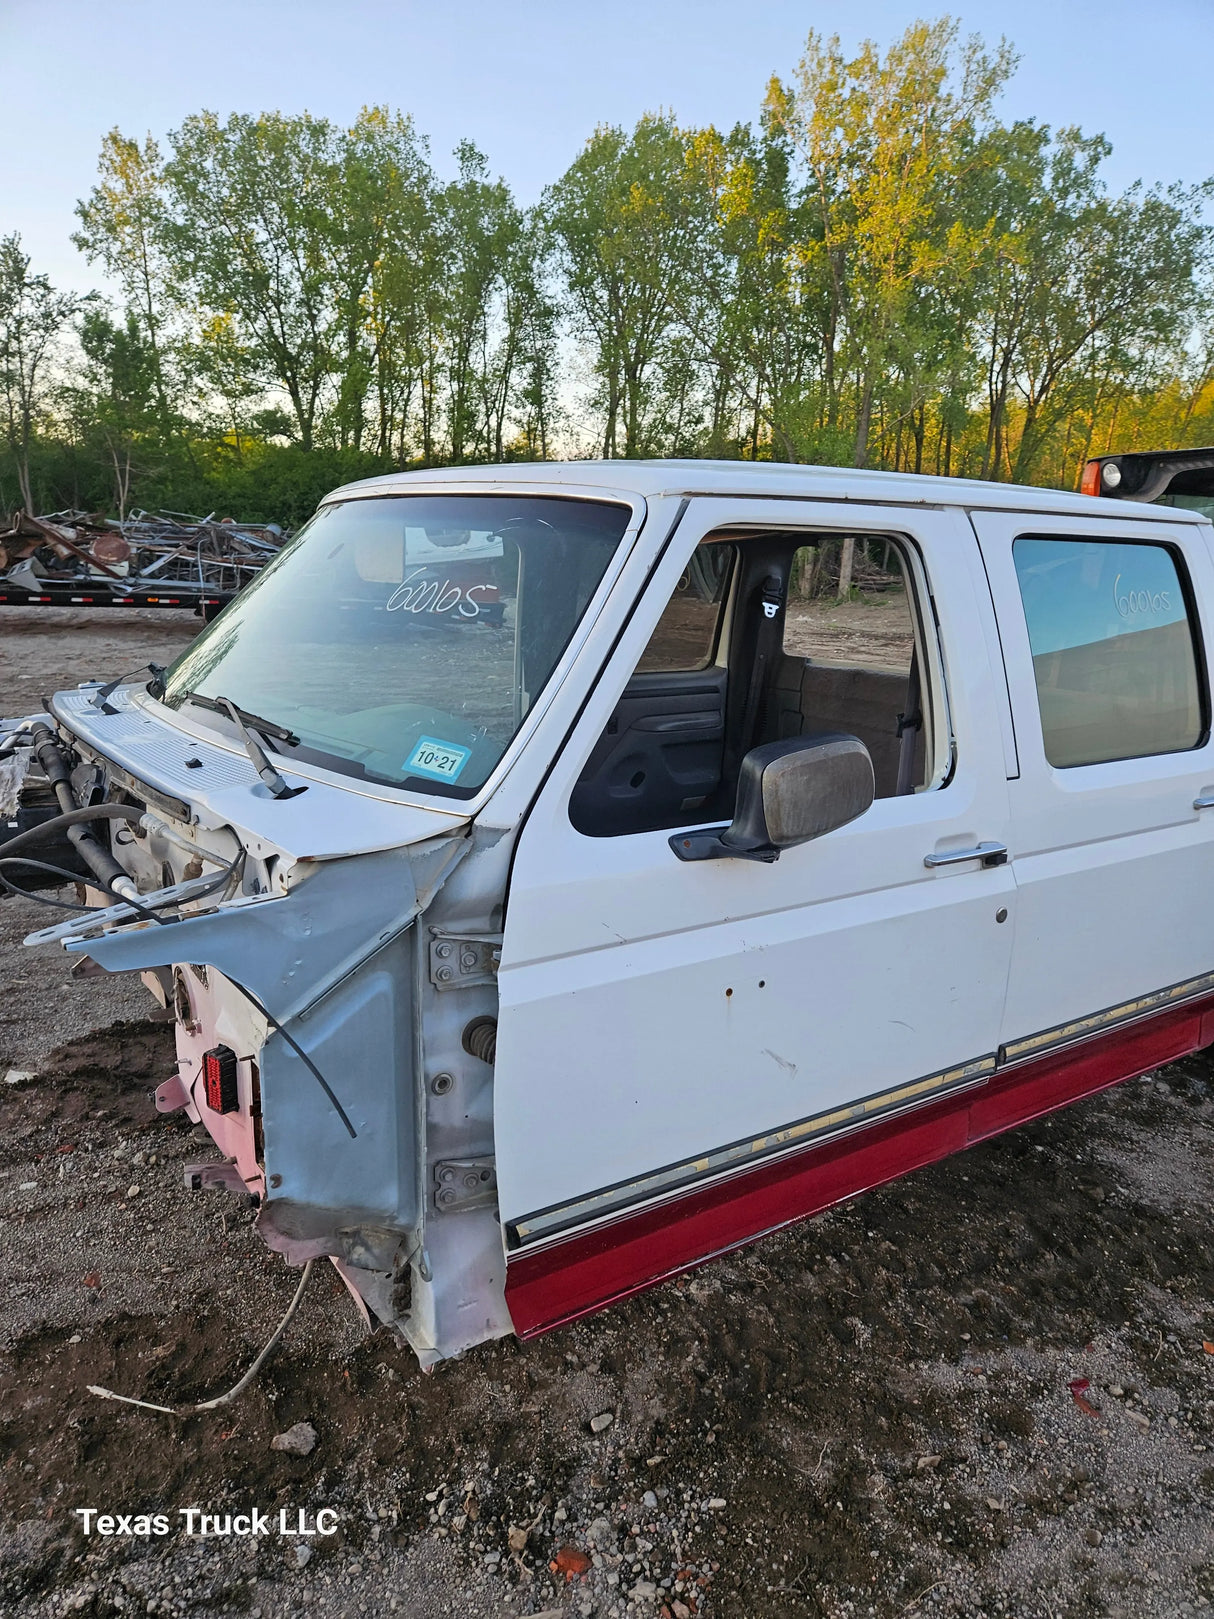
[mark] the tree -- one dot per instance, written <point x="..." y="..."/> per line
<point x="887" y="145"/>
<point x="122" y="226"/>
<point x="529" y="387"/>
<point x="1121" y="298"/>
<point x="382" y="208"/>
<point x="481" y="229"/>
<point x="250" y="228"/>
<point x="610" y="216"/>
<point x="754" y="304"/>
<point x="33" y="317"/>
<point x="115" y="404"/>
<point x="1084" y="295"/>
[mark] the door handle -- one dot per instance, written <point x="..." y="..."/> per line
<point x="674" y="724"/>
<point x="990" y="854"/>
<point x="1206" y="801"/>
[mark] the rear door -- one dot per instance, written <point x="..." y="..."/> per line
<point x="1113" y="810"/>
<point x="667" y="1025"/>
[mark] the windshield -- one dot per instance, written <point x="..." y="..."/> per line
<point x="403" y="639"/>
<point x="1191" y="503"/>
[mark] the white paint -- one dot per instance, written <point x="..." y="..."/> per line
<point x="853" y="967"/>
<point x="619" y="1048"/>
<point x="1112" y="861"/>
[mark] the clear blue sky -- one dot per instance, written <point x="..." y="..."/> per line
<point x="528" y="81"/>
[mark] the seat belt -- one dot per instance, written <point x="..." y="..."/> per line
<point x="771" y="597"/>
<point x="909" y="726"/>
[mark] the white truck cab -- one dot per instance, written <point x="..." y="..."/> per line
<point x="551" y="898"/>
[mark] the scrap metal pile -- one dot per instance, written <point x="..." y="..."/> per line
<point x="151" y="559"/>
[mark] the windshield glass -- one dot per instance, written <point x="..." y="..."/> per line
<point x="1191" y="503"/>
<point x="403" y="639"/>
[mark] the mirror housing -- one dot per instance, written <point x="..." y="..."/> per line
<point x="788" y="793"/>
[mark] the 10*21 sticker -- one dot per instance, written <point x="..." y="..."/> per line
<point x="441" y="761"/>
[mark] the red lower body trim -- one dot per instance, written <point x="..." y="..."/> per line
<point x="584" y="1273"/>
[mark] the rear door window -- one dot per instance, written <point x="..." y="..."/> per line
<point x="1111" y="630"/>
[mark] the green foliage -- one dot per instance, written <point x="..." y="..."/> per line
<point x="32" y="314"/>
<point x="878" y="272"/>
<point x="614" y="215"/>
<point x="269" y="483"/>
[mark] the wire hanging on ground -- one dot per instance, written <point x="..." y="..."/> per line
<point x="237" y="1389"/>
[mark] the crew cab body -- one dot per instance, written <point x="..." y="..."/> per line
<point x="496" y="1013"/>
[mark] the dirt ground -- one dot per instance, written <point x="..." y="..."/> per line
<point x="871" y="631"/>
<point x="874" y="1414"/>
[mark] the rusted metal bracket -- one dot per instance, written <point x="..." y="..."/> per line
<point x="200" y="1177"/>
<point x="464" y="1183"/>
<point x="459" y="960"/>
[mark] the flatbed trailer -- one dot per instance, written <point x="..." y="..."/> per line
<point x="99" y="594"/>
<point x="166" y="559"/>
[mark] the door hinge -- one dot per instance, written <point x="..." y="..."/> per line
<point x="464" y="1183"/>
<point x="459" y="960"/>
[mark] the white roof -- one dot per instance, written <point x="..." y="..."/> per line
<point x="773" y="479"/>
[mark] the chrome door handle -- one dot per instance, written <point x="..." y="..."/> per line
<point x="990" y="854"/>
<point x="1206" y="801"/>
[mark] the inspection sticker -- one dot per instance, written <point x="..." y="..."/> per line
<point x="441" y="761"/>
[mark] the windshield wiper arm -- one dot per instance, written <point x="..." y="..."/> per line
<point x="225" y="705"/>
<point x="101" y="698"/>
<point x="254" y="749"/>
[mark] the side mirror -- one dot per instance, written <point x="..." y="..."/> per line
<point x="788" y="793"/>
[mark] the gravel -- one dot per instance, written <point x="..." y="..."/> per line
<point x="875" y="1414"/>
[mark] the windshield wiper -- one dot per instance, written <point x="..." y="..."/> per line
<point x="225" y="705"/>
<point x="155" y="686"/>
<point x="254" y="749"/>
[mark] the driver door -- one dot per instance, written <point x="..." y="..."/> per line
<point x="673" y="1035"/>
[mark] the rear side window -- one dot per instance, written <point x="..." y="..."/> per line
<point x="1114" y="655"/>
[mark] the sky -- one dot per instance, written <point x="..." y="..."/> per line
<point x="529" y="81"/>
